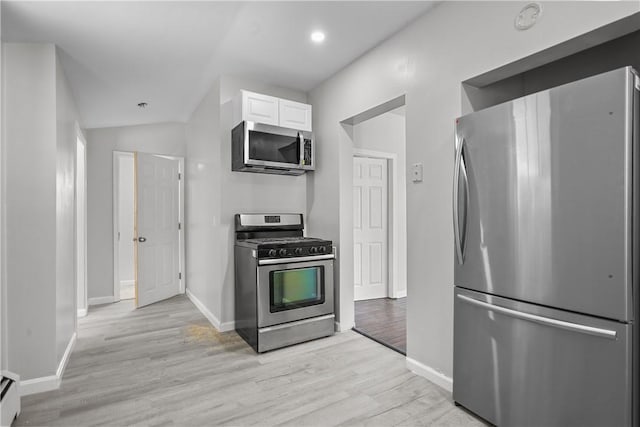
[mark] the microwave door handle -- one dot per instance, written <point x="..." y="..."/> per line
<point x="301" y="139"/>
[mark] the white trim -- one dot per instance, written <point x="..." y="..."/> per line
<point x="400" y="294"/>
<point x="341" y="328"/>
<point x="101" y="300"/>
<point x="127" y="282"/>
<point x="82" y="312"/>
<point x="52" y="382"/>
<point x="396" y="224"/>
<point x="220" y="326"/>
<point x="67" y="354"/>
<point x="427" y="372"/>
<point x="39" y="385"/>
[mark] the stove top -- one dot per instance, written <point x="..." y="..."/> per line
<point x="282" y="241"/>
<point x="278" y="236"/>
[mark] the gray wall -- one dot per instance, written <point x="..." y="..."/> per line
<point x="165" y="138"/>
<point x="39" y="142"/>
<point x="215" y="194"/>
<point x="67" y="136"/>
<point x="427" y="61"/>
<point x="30" y="173"/>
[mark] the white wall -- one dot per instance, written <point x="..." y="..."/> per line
<point x="125" y="218"/>
<point x="66" y="128"/>
<point x="426" y="61"/>
<point x="203" y="198"/>
<point x="164" y="138"/>
<point x="386" y="133"/>
<point x="215" y="194"/>
<point x="30" y="174"/>
<point x="39" y="176"/>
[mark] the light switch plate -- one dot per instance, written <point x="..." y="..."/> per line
<point x="416" y="172"/>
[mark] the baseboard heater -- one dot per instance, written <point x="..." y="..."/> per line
<point x="9" y="398"/>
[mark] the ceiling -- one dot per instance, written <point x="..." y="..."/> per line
<point x="116" y="54"/>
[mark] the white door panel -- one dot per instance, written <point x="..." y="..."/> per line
<point x="157" y="217"/>
<point x="370" y="232"/>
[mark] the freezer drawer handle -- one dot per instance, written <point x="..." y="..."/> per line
<point x="589" y="330"/>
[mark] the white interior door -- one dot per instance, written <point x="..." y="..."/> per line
<point x="370" y="228"/>
<point x="157" y="217"/>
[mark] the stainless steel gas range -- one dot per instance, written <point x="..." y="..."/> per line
<point x="284" y="282"/>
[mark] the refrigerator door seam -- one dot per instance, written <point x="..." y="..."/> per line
<point x="575" y="327"/>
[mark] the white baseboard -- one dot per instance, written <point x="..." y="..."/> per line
<point x="427" y="372"/>
<point x="52" y="382"/>
<point x="341" y="327"/>
<point x="101" y="300"/>
<point x="127" y="282"/>
<point x="220" y="326"/>
<point x="400" y="294"/>
<point x="82" y="312"/>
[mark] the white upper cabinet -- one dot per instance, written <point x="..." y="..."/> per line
<point x="256" y="107"/>
<point x="295" y="115"/>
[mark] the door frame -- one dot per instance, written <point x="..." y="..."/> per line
<point x="116" y="225"/>
<point x="395" y="223"/>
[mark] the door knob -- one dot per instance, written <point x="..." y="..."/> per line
<point x="142" y="239"/>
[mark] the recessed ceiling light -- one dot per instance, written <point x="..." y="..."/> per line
<point x="317" y="37"/>
<point x="142" y="104"/>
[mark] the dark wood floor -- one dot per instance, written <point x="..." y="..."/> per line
<point x="384" y="320"/>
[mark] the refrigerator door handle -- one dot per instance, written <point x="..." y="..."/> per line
<point x="574" y="327"/>
<point x="456" y="215"/>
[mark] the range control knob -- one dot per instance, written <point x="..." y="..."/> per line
<point x="323" y="249"/>
<point x="282" y="252"/>
<point x="298" y="251"/>
<point x="272" y="252"/>
<point x="313" y="250"/>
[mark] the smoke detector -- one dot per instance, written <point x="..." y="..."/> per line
<point x="528" y="16"/>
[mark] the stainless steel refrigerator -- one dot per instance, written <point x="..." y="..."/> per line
<point x="546" y="216"/>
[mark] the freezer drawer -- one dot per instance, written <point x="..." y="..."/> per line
<point x="518" y="364"/>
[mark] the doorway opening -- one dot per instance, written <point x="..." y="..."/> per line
<point x="125" y="182"/>
<point x="148" y="200"/>
<point x="379" y="228"/>
<point x="81" y="227"/>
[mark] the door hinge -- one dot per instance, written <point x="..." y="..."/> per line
<point x="179" y="176"/>
<point x="180" y="276"/>
<point x="179" y="226"/>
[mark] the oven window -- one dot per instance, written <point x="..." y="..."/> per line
<point x="296" y="288"/>
<point x="274" y="148"/>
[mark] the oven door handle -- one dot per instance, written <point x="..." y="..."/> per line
<point x="295" y="259"/>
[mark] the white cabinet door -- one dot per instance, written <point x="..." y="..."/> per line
<point x="370" y="228"/>
<point x="257" y="107"/>
<point x="295" y="115"/>
<point x="157" y="237"/>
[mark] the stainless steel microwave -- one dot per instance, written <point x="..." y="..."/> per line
<point x="257" y="147"/>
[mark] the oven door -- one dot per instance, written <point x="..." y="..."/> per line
<point x="292" y="291"/>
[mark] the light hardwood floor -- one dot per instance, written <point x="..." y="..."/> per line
<point x="164" y="364"/>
